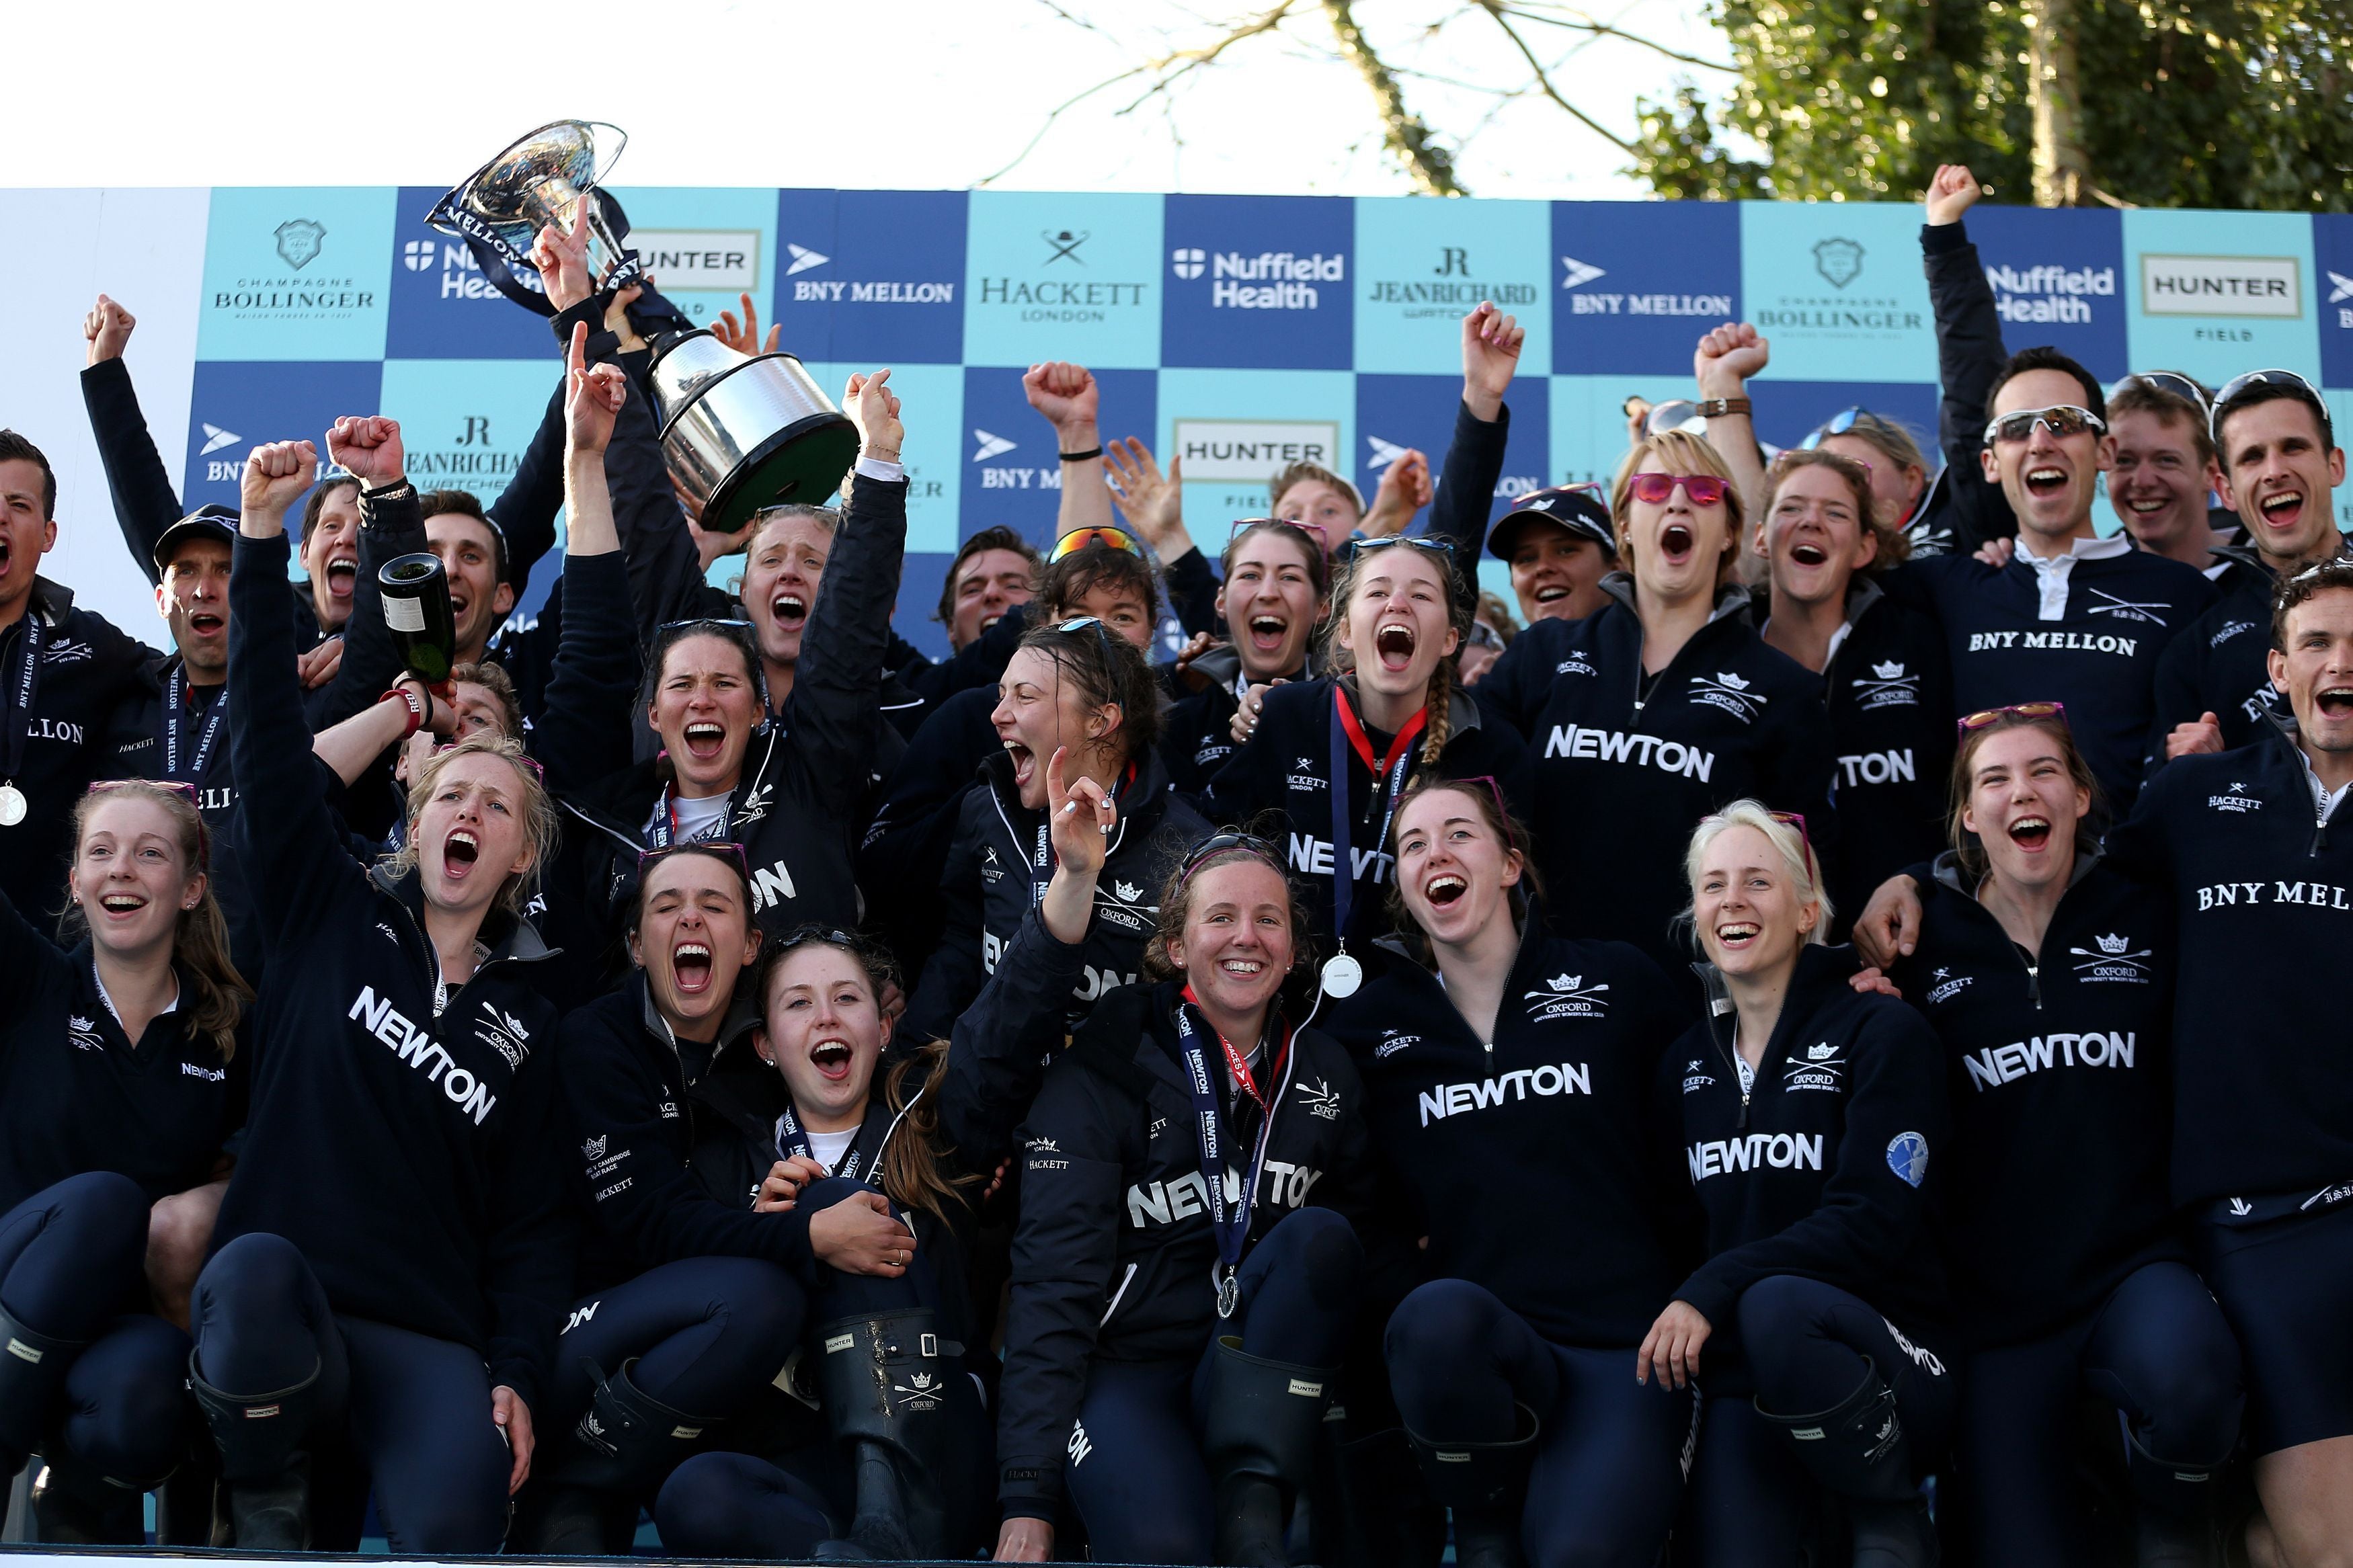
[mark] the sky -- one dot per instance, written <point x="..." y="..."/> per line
<point x="888" y="94"/>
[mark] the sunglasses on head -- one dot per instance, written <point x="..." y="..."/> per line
<point x="2061" y="419"/>
<point x="2168" y="380"/>
<point x="1814" y="458"/>
<point x="703" y="624"/>
<point x="1078" y="624"/>
<point x="1217" y="844"/>
<point x="832" y="936"/>
<point x="2238" y="384"/>
<point x="1080" y="538"/>
<point x="1839" y="424"/>
<point x="1653" y="489"/>
<point x="718" y="849"/>
<point x="179" y="787"/>
<point x="1244" y="524"/>
<point x="1985" y="716"/>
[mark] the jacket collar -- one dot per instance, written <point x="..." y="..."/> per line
<point x="742" y="1018"/>
<point x="1732" y="599"/>
<point x="1462" y="707"/>
<point x="1947" y="870"/>
<point x="507" y="936"/>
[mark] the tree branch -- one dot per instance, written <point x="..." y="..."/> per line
<point x="1584" y="23"/>
<point x="1495" y="8"/>
<point x="1403" y="131"/>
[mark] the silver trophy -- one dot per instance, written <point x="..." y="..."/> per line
<point x="541" y="181"/>
<point x="740" y="432"/>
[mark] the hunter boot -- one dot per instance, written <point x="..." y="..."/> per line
<point x="1387" y="1518"/>
<point x="32" y="1368"/>
<point x="1259" y="1435"/>
<point x="619" y="1451"/>
<point x="184" y="1503"/>
<point x="76" y="1507"/>
<point x="884" y="1380"/>
<point x="1858" y="1451"/>
<point x="265" y="1460"/>
<point x="2173" y="1517"/>
<point x="1487" y="1485"/>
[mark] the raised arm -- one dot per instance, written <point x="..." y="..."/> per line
<point x="1721" y="364"/>
<point x="1970" y="354"/>
<point x="584" y="734"/>
<point x="835" y="709"/>
<point x="146" y="503"/>
<point x="1068" y="396"/>
<point x="392" y="525"/>
<point x="291" y="850"/>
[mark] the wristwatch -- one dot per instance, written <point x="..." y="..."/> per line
<point x="1711" y="407"/>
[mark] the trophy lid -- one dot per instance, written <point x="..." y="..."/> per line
<point x="572" y="156"/>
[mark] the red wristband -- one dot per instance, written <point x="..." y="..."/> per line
<point x="417" y="709"/>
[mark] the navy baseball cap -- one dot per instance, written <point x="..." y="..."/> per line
<point x="205" y="522"/>
<point x="1579" y="509"/>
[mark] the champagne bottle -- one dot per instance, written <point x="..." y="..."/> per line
<point x="415" y="597"/>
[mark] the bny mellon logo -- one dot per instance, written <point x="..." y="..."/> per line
<point x="1579" y="273"/>
<point x="1384" y="452"/>
<point x="216" y="438"/>
<point x="803" y="259"/>
<point x="990" y="445"/>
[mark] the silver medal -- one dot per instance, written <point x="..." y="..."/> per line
<point x="12" y="805"/>
<point x="1230" y="1296"/>
<point x="1342" y="975"/>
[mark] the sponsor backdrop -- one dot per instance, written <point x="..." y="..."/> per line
<point x="1238" y="333"/>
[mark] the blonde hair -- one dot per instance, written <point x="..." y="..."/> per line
<point x="200" y="934"/>
<point x="1789" y="841"/>
<point x="538" y="811"/>
<point x="1679" y="452"/>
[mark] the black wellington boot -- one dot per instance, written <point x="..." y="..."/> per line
<point x="1858" y="1450"/>
<point x="264" y="1444"/>
<point x="619" y="1449"/>
<point x="1487" y="1485"/>
<point x="1387" y="1516"/>
<point x="32" y="1368"/>
<point x="2173" y="1523"/>
<point x="884" y="1380"/>
<point x="1259" y="1436"/>
<point x="76" y="1507"/>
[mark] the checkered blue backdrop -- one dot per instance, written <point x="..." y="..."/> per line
<point x="1221" y="325"/>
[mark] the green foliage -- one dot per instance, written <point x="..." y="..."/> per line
<point x="2185" y="102"/>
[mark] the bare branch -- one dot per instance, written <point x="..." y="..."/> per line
<point x="1403" y="131"/>
<point x="1587" y="24"/>
<point x="1051" y="116"/>
<point x="1495" y="8"/>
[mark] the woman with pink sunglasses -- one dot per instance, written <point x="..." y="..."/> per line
<point x="1653" y="712"/>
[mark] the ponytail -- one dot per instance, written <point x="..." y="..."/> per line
<point x="912" y="1174"/>
<point x="1438" y="727"/>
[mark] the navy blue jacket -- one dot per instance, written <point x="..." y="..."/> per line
<point x="997" y="870"/>
<point x="1559" y="1108"/>
<point x="1285" y="769"/>
<point x="2124" y="604"/>
<point x="412" y="1154"/>
<point x="88" y="670"/>
<point x="2221" y="662"/>
<point x="1962" y="509"/>
<point x="1822" y="1171"/>
<point x="2262" y="893"/>
<point x="2058" y="1072"/>
<point x="1620" y="783"/>
<point x="1112" y="1256"/>
<point x="76" y="1095"/>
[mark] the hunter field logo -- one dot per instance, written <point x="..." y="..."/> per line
<point x="2237" y="803"/>
<point x="2221" y="286"/>
<point x="1730" y="692"/>
<point x="2113" y="961"/>
<point x="1567" y="997"/>
<point x="1887" y="686"/>
<point x="1840" y="261"/>
<point x="299" y="240"/>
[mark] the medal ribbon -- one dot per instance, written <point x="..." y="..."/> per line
<point x="175" y="706"/>
<point x="18" y="697"/>
<point x="1228" y="1222"/>
<point x="1349" y="734"/>
<point x="664" y="832"/>
<point x="792" y="1140"/>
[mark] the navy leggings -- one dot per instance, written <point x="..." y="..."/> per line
<point x="735" y="1505"/>
<point x="1800" y="1347"/>
<point x="706" y="1334"/>
<point x="73" y="1266"/>
<point x="2158" y="1348"/>
<point x="1610" y="1453"/>
<point x="1136" y="1472"/>
<point x="416" y="1409"/>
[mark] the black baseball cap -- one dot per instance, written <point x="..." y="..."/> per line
<point x="207" y="523"/>
<point x="1576" y="507"/>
